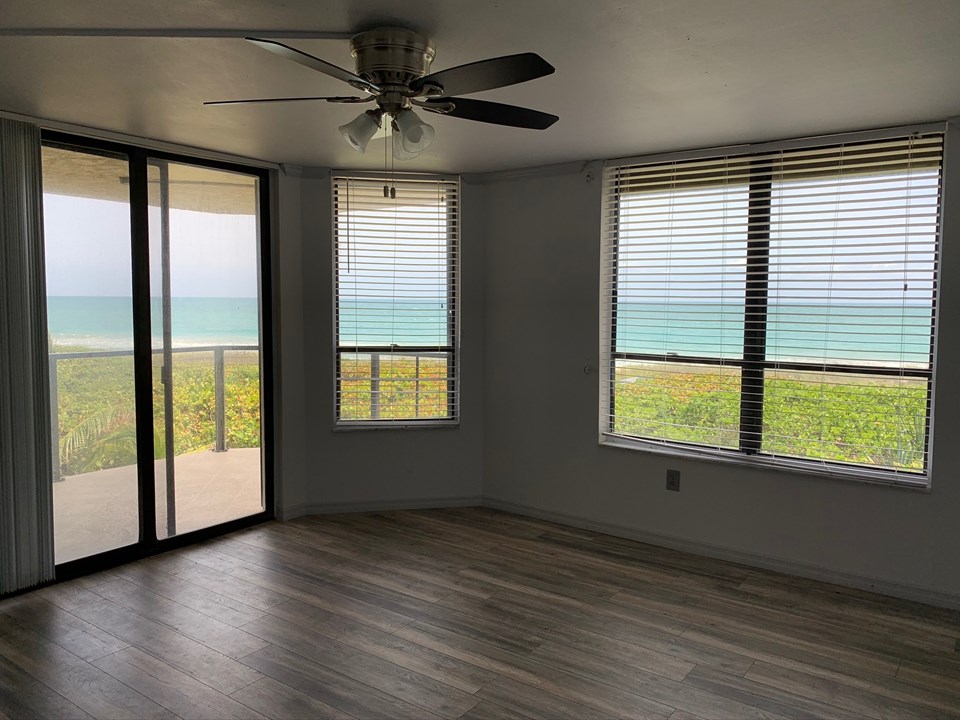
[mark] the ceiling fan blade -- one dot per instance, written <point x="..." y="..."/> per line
<point x="489" y="112"/>
<point x="334" y="99"/>
<point x="486" y="74"/>
<point x="315" y="63"/>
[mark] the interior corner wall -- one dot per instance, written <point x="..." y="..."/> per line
<point x="325" y="470"/>
<point x="290" y="447"/>
<point x="541" y="452"/>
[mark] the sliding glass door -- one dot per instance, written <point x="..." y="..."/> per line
<point x="204" y="281"/>
<point x="158" y="365"/>
<point x="87" y="236"/>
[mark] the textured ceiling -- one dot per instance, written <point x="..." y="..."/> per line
<point x="632" y="77"/>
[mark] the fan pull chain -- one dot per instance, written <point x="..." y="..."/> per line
<point x="386" y="190"/>
<point x="393" y="155"/>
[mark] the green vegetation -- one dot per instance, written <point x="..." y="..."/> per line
<point x="96" y="416"/>
<point x="409" y="387"/>
<point x="863" y="419"/>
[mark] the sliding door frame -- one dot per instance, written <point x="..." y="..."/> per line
<point x="138" y="159"/>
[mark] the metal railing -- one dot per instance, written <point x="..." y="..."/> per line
<point x="376" y="378"/>
<point x="220" y="437"/>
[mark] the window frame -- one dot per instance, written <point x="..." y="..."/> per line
<point x="753" y="363"/>
<point x="452" y="347"/>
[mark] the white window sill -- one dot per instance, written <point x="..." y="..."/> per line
<point x="361" y="425"/>
<point x="779" y="464"/>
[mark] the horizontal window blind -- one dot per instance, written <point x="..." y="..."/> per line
<point x="396" y="298"/>
<point x="777" y="304"/>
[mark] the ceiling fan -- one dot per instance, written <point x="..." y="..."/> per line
<point x="392" y="67"/>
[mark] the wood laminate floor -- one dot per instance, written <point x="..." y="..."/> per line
<point x="467" y="613"/>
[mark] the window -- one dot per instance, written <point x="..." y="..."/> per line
<point x="395" y="245"/>
<point x="779" y="305"/>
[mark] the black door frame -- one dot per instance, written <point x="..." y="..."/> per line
<point x="148" y="544"/>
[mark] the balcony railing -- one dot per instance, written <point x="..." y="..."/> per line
<point x="389" y="384"/>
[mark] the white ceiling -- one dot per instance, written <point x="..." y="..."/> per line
<point x="632" y="77"/>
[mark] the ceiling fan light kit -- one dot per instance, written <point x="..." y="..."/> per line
<point x="415" y="134"/>
<point x="392" y="66"/>
<point x="361" y="129"/>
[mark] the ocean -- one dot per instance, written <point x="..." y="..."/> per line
<point x="868" y="333"/>
<point x="874" y="333"/>
<point x="106" y="323"/>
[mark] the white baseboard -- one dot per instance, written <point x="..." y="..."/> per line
<point x="377" y="506"/>
<point x="788" y="567"/>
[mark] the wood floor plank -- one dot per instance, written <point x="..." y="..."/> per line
<point x="289" y="587"/>
<point x="191" y="657"/>
<point x="683" y="567"/>
<point x="226" y="639"/>
<point x="84" y="685"/>
<point x="529" y="671"/>
<point x="24" y="697"/>
<point x="638" y="656"/>
<point x="874" y="634"/>
<point x="386" y="646"/>
<point x="648" y="685"/>
<point x="791" y="652"/>
<point x="773" y="700"/>
<point x="413" y="687"/>
<point x="537" y="704"/>
<point x="569" y="576"/>
<point x="925" y="677"/>
<point x="176" y="691"/>
<point x="216" y="580"/>
<point x="607" y="618"/>
<point x="638" y="646"/>
<point x="330" y="568"/>
<point x="937" y="697"/>
<point x="84" y="640"/>
<point x="359" y="589"/>
<point x="796" y="636"/>
<point x="333" y="688"/>
<point x="399" y="558"/>
<point x="68" y="595"/>
<point x="486" y="553"/>
<point x="844" y="696"/>
<point x="182" y="591"/>
<point x="684" y="715"/>
<point x="487" y="710"/>
<point x="274" y="699"/>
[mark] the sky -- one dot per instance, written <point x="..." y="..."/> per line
<point x="88" y="250"/>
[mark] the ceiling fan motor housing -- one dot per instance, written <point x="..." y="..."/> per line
<point x="390" y="56"/>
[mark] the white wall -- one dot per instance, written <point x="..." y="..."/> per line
<point x="325" y="470"/>
<point x="541" y="455"/>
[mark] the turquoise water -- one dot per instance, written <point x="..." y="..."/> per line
<point x="380" y="322"/>
<point x="871" y="332"/>
<point x="107" y="322"/>
<point x="865" y="332"/>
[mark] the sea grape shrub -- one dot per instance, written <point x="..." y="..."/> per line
<point x="96" y="415"/>
<point x="866" y="420"/>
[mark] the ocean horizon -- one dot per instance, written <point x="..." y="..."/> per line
<point x="106" y="322"/>
<point x="894" y="333"/>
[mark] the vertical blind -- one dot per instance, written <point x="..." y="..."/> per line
<point x="26" y="468"/>
<point x="778" y="304"/>
<point x="397" y="272"/>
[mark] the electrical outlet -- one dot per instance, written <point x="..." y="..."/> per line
<point x="673" y="480"/>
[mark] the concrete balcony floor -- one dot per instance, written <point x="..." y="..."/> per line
<point x="99" y="511"/>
